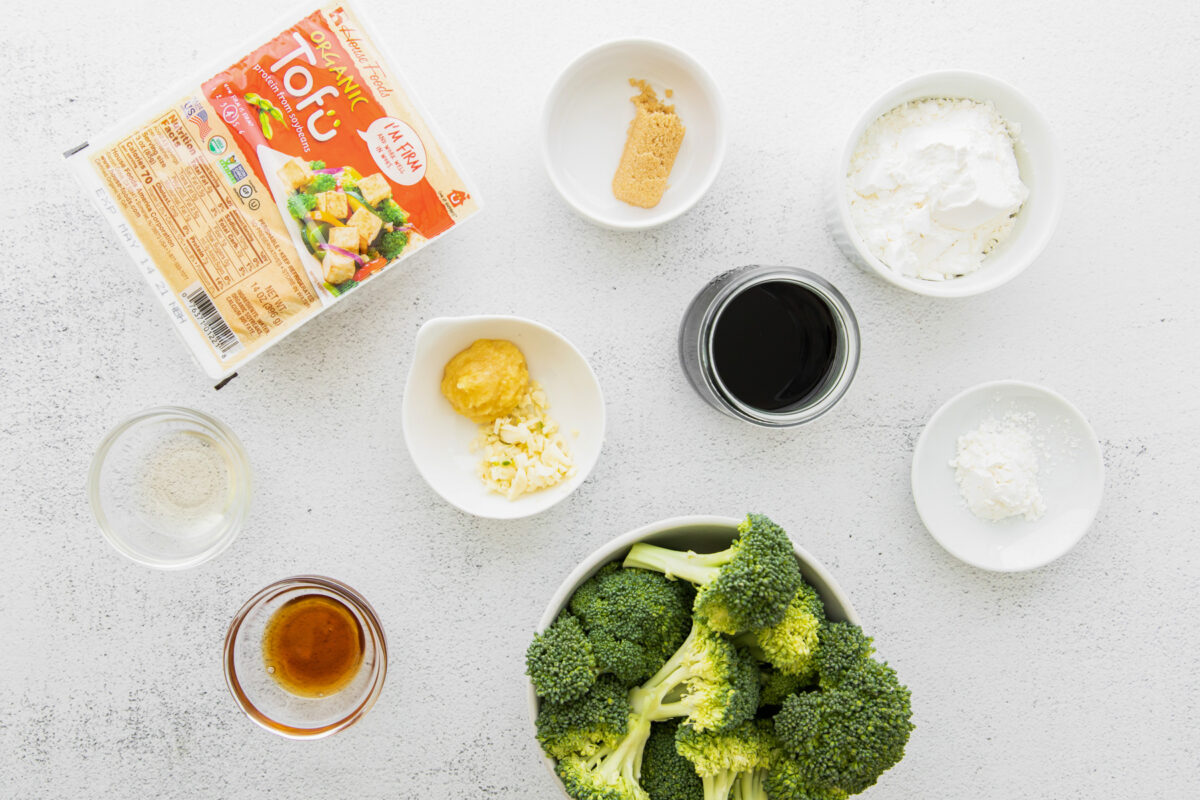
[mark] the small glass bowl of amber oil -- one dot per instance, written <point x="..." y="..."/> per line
<point x="305" y="657"/>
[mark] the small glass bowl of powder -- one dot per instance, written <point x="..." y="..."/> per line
<point x="170" y="487"/>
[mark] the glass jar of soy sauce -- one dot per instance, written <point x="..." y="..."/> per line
<point x="776" y="346"/>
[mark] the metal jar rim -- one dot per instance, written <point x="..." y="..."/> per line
<point x="842" y="371"/>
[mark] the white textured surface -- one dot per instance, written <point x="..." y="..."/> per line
<point x="1074" y="681"/>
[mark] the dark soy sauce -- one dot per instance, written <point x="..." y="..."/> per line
<point x="774" y="344"/>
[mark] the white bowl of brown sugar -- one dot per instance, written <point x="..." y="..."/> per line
<point x="633" y="134"/>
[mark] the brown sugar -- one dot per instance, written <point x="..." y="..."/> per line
<point x="650" y="149"/>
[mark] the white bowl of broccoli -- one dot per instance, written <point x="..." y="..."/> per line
<point x="707" y="657"/>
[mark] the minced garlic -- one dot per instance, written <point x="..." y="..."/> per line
<point x="523" y="450"/>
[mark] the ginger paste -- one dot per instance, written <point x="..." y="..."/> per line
<point x="486" y="380"/>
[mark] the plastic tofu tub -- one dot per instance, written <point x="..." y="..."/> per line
<point x="262" y="193"/>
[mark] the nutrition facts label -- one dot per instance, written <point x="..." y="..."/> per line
<point x="162" y="176"/>
<point x="214" y="232"/>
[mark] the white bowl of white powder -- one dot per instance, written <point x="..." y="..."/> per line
<point x="949" y="185"/>
<point x="1007" y="476"/>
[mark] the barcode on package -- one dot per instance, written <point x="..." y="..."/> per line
<point x="205" y="312"/>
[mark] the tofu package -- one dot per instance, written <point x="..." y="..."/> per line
<point x="256" y="196"/>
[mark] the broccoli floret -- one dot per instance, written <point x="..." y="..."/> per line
<point x="316" y="165"/>
<point x="611" y="772"/>
<point x="634" y="619"/>
<point x="560" y="662"/>
<point x="350" y="183"/>
<point x="300" y="205"/>
<point x="844" y="738"/>
<point x="709" y="681"/>
<point x="722" y="759"/>
<point x="666" y="775"/>
<point x="785" y="781"/>
<point x="322" y="183"/>
<point x="746" y="587"/>
<point x="776" y="686"/>
<point x="391" y="243"/>
<point x="582" y="727"/>
<point x="388" y="211"/>
<point x="790" y="647"/>
<point x="842" y="648"/>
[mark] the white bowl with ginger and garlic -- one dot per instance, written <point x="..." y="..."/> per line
<point x="484" y="390"/>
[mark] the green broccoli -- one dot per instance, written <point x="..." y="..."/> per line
<point x="844" y="738"/>
<point x="709" y="681"/>
<point x="559" y="661"/>
<point x="786" y="781"/>
<point x="388" y="211"/>
<point x="392" y="243"/>
<point x="840" y="717"/>
<point x="666" y="775"/>
<point x="316" y="165"/>
<point x="300" y="205"/>
<point x="790" y="647"/>
<point x="582" y="727"/>
<point x="611" y="772"/>
<point x="634" y="619"/>
<point x="751" y="785"/>
<point x="776" y="686"/>
<point x="842" y="648"/>
<point x="723" y="759"/>
<point x="746" y="587"/>
<point x="321" y="183"/>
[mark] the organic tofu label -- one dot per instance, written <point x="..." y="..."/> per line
<point x="278" y="186"/>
